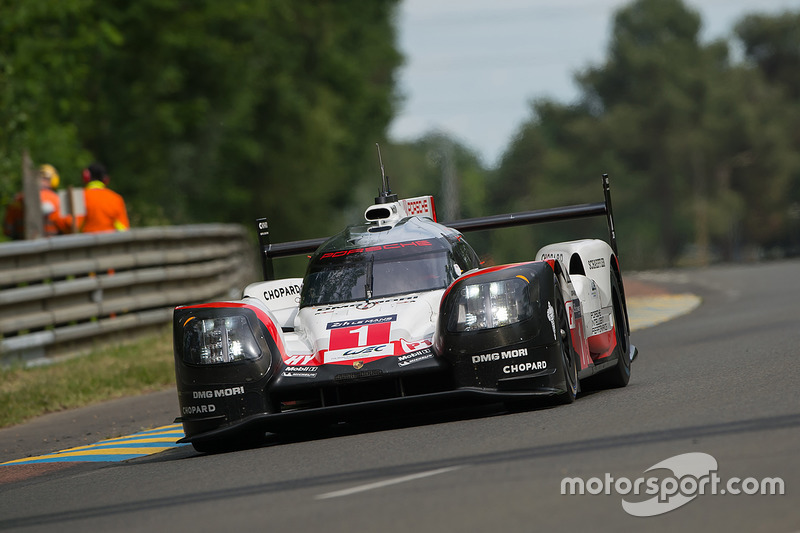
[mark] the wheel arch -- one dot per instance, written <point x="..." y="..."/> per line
<point x="616" y="271"/>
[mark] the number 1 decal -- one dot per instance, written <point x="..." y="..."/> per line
<point x="357" y="334"/>
<point x="362" y="335"/>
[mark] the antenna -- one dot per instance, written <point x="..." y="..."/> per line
<point x="383" y="173"/>
<point x="385" y="196"/>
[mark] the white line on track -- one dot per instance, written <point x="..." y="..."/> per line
<point x="385" y="483"/>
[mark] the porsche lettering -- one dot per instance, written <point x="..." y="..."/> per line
<point x="392" y="246"/>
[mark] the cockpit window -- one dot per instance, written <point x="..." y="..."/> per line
<point x="465" y="256"/>
<point x="366" y="275"/>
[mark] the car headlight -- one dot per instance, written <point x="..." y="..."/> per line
<point x="491" y="305"/>
<point x="210" y="341"/>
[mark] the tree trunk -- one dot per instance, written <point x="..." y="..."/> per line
<point x="34" y="221"/>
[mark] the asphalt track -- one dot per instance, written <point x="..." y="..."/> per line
<point x="721" y="381"/>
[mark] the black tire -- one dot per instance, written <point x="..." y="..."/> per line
<point x="620" y="374"/>
<point x="569" y="364"/>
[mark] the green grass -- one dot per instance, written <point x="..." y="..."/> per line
<point x="131" y="369"/>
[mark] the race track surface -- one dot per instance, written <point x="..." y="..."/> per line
<point x="718" y="384"/>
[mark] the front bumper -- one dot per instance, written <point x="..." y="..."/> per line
<point x="278" y="422"/>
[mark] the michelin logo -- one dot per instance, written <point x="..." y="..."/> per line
<point x="414" y="357"/>
<point x="300" y="372"/>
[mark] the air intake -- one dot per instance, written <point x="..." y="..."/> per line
<point x="377" y="213"/>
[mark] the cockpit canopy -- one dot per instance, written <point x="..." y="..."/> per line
<point x="357" y="265"/>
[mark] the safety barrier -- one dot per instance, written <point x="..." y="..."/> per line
<point x="64" y="295"/>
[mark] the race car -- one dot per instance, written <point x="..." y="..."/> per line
<point x="398" y="312"/>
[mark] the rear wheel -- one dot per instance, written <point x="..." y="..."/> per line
<point x="620" y="374"/>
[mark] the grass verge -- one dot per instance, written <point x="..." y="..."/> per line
<point x="134" y="368"/>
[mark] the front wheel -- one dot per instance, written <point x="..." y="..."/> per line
<point x="568" y="362"/>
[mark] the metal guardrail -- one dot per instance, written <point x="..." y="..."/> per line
<point x="63" y="295"/>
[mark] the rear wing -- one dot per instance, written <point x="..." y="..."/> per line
<point x="270" y="251"/>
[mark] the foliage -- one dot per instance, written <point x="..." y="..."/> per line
<point x="202" y="111"/>
<point x="426" y="165"/>
<point x="699" y="149"/>
<point x="773" y="45"/>
<point x="227" y="111"/>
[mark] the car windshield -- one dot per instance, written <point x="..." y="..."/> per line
<point x="374" y="276"/>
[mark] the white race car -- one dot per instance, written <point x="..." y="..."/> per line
<point x="397" y="312"/>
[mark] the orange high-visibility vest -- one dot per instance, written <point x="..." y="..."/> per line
<point x="105" y="209"/>
<point x="54" y="222"/>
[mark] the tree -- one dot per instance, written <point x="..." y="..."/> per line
<point x="42" y="48"/>
<point x="698" y="149"/>
<point x="202" y="111"/>
<point x="654" y="87"/>
<point x="773" y="45"/>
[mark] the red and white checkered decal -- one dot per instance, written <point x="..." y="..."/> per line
<point x="422" y="205"/>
